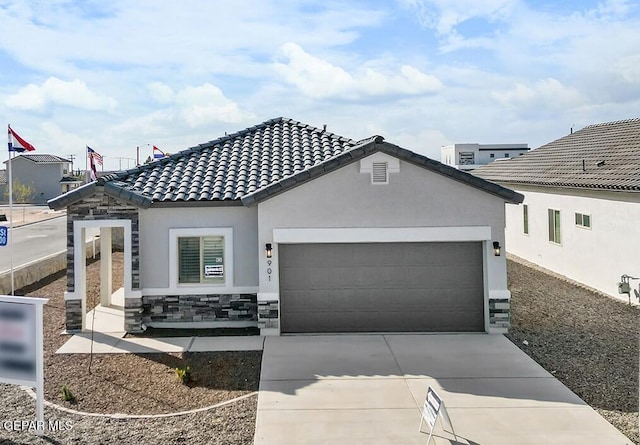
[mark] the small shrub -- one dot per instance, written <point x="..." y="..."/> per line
<point x="67" y="395"/>
<point x="184" y="374"/>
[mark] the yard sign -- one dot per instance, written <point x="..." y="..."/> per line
<point x="4" y="235"/>
<point x="432" y="410"/>
<point x="21" y="347"/>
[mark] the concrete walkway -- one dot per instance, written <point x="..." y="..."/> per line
<point x="369" y="389"/>
<point x="115" y="343"/>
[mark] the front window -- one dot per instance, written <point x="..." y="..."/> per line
<point x="554" y="226"/>
<point x="525" y="217"/>
<point x="201" y="259"/>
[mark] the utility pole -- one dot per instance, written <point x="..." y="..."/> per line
<point x="72" y="157"/>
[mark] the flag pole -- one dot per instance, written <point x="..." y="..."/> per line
<point x="10" y="240"/>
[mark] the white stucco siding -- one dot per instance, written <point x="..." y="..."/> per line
<point x="414" y="198"/>
<point x="597" y="256"/>
<point x="155" y="226"/>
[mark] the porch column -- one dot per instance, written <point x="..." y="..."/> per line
<point x="106" y="270"/>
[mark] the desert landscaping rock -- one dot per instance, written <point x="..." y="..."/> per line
<point x="586" y="340"/>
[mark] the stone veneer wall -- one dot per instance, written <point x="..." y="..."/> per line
<point x="499" y="313"/>
<point x="196" y="308"/>
<point x="73" y="314"/>
<point x="103" y="207"/>
<point x="268" y="314"/>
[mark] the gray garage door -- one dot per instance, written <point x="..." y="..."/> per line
<point x="378" y="287"/>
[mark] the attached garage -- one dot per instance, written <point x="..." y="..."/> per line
<point x="381" y="287"/>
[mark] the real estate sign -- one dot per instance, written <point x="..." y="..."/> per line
<point x="21" y="346"/>
<point x="4" y="235"/>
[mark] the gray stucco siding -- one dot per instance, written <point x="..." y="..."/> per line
<point x="345" y="201"/>
<point x="155" y="225"/>
<point x="414" y="197"/>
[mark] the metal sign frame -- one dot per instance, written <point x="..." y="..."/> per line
<point x="432" y="410"/>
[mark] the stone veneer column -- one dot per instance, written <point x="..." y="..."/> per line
<point x="104" y="207"/>
<point x="499" y="313"/>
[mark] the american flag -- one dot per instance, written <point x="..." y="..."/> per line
<point x="97" y="157"/>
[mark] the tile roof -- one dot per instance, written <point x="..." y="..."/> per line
<point x="600" y="156"/>
<point x="252" y="165"/>
<point x="42" y="158"/>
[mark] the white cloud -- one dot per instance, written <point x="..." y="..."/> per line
<point x="547" y="93"/>
<point x="319" y="79"/>
<point x="59" y="92"/>
<point x="205" y="104"/>
<point x="445" y="15"/>
<point x="160" y="92"/>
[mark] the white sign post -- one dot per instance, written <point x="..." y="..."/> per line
<point x="433" y="410"/>
<point x="21" y="347"/>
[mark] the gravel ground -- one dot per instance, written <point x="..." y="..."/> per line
<point x="586" y="340"/>
<point x="134" y="384"/>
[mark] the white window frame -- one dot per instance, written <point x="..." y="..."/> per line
<point x="555" y="239"/>
<point x="174" y="234"/>
<point x="581" y="223"/>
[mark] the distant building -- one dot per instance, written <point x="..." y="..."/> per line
<point x="471" y="156"/>
<point x="48" y="175"/>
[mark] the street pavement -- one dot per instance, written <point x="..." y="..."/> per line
<point x="35" y="241"/>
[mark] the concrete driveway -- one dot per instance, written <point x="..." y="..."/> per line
<point x="369" y="389"/>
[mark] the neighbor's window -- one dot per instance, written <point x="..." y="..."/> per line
<point x="583" y="220"/>
<point x="525" y="218"/>
<point x="491" y="155"/>
<point x="554" y="226"/>
<point x="466" y="158"/>
<point x="201" y="259"/>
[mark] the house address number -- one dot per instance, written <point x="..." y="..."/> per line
<point x="269" y="262"/>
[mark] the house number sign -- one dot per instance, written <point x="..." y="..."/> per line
<point x="269" y="263"/>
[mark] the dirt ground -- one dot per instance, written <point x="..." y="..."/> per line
<point x="135" y="383"/>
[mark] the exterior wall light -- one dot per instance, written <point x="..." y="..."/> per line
<point x="268" y="250"/>
<point x="496" y="248"/>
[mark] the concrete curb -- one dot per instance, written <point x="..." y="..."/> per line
<point x="137" y="416"/>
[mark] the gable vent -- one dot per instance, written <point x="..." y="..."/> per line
<point x="379" y="174"/>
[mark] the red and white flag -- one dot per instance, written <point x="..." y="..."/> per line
<point x="17" y="144"/>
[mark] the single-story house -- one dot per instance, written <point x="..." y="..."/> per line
<point x="581" y="211"/>
<point x="292" y="228"/>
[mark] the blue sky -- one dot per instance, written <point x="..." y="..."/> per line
<point x="422" y="73"/>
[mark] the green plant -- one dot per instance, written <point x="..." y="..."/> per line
<point x="22" y="193"/>
<point x="67" y="395"/>
<point x="184" y="374"/>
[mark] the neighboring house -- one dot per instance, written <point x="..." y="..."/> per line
<point x="3" y="185"/>
<point x="581" y="213"/>
<point x="291" y="228"/>
<point x="471" y="156"/>
<point x="44" y="173"/>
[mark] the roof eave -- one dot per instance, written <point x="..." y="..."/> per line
<point x="368" y="147"/>
<point x="110" y="188"/>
